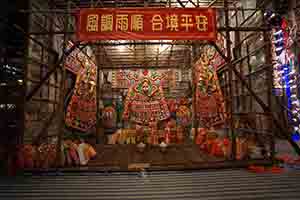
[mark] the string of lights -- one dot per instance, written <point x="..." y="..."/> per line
<point x="284" y="70"/>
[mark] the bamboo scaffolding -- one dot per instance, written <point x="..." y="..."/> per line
<point x="107" y="59"/>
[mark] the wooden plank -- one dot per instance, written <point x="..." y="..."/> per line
<point x="138" y="166"/>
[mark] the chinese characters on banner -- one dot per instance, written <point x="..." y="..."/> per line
<point x="147" y="24"/>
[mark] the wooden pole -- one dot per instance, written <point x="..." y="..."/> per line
<point x="230" y="74"/>
<point x="99" y="132"/>
<point x="48" y="75"/>
<point x="237" y="53"/>
<point x="194" y="86"/>
<point x="267" y="109"/>
<point x="25" y="80"/>
<point x="269" y="82"/>
<point x="62" y="97"/>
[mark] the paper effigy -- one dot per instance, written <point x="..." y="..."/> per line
<point x="209" y="99"/>
<point x="145" y="103"/>
<point x="81" y="111"/>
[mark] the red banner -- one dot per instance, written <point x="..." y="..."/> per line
<point x="147" y="24"/>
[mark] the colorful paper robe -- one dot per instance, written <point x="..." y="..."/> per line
<point x="81" y="111"/>
<point x="145" y="103"/>
<point x="209" y="99"/>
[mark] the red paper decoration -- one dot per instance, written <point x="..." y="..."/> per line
<point x="81" y="111"/>
<point x="145" y="102"/>
<point x="209" y="99"/>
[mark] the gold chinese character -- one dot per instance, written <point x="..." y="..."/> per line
<point x="172" y="22"/>
<point x="157" y="23"/>
<point x="122" y="23"/>
<point x="137" y="22"/>
<point x="107" y="23"/>
<point x="187" y="21"/>
<point x="92" y="23"/>
<point x="202" y="23"/>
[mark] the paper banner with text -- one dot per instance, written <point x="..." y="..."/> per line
<point x="146" y="24"/>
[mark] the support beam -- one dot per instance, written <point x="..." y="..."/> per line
<point x="230" y="107"/>
<point x="194" y="104"/>
<point x="269" y="82"/>
<point x="61" y="108"/>
<point x="145" y="66"/>
<point x="222" y="68"/>
<point x="212" y="3"/>
<point x="170" y="55"/>
<point x="244" y="29"/>
<point x="181" y="4"/>
<point x="74" y="11"/>
<point x="143" y="43"/>
<point x="99" y="129"/>
<point x="18" y="28"/>
<point x="265" y="108"/>
<point x="192" y="2"/>
<point x="43" y="133"/>
<point x="49" y="73"/>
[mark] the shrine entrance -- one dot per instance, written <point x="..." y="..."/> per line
<point x="147" y="112"/>
<point x="153" y="104"/>
<point x="146" y="88"/>
<point x="150" y="95"/>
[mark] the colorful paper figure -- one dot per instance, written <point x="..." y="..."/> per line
<point x="81" y="111"/>
<point x="209" y="99"/>
<point x="145" y="102"/>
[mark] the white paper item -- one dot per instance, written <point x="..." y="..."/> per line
<point x="81" y="149"/>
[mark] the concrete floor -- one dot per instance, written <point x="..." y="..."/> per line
<point x="203" y="185"/>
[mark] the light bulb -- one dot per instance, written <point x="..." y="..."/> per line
<point x="291" y="81"/>
<point x="273" y="15"/>
<point x="292" y="72"/>
<point x="294" y="96"/>
<point x="279" y="40"/>
<point x="279" y="48"/>
<point x="293" y="86"/>
<point x="278" y="32"/>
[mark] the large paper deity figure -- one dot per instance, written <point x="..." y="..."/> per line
<point x="209" y="99"/>
<point x="81" y="111"/>
<point x="145" y="102"/>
